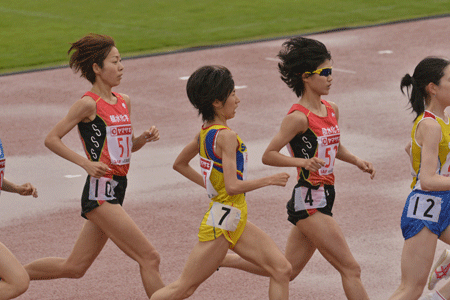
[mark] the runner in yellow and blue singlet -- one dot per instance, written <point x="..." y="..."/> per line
<point x="212" y="172"/>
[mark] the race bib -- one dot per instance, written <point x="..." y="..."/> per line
<point x="308" y="198"/>
<point x="102" y="189"/>
<point x="119" y="143"/>
<point x="327" y="150"/>
<point x="206" y="166"/>
<point x="424" y="207"/>
<point x="224" y="216"/>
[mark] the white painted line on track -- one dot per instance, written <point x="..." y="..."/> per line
<point x="184" y="78"/>
<point x="343" y="71"/>
<point x="273" y="59"/>
<point x="72" y="176"/>
<point x="238" y="87"/>
<point x="385" y="52"/>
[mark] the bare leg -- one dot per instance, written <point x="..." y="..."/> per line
<point x="202" y="263"/>
<point x="323" y="231"/>
<point x="257" y="247"/>
<point x="299" y="250"/>
<point x="417" y="258"/>
<point x="14" y="278"/>
<point x="87" y="247"/>
<point x="445" y="290"/>
<point x="121" y="229"/>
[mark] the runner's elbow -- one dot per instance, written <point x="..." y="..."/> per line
<point x="232" y="190"/>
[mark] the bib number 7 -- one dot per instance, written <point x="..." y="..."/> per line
<point x="224" y="216"/>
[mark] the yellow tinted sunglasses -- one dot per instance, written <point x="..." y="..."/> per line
<point x="322" y="72"/>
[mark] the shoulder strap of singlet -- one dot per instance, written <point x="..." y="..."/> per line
<point x="92" y="95"/>
<point x="428" y="115"/>
<point x="97" y="97"/>
<point x="306" y="111"/>
<point x="118" y="96"/>
<point x="299" y="107"/>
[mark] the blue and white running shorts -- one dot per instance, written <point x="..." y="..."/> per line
<point x="426" y="208"/>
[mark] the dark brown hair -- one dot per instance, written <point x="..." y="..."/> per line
<point x="92" y="48"/>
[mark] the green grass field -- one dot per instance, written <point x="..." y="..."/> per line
<point x="37" y="33"/>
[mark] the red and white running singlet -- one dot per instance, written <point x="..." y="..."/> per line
<point x="321" y="140"/>
<point x="108" y="138"/>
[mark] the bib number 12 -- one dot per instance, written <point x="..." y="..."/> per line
<point x="424" y="207"/>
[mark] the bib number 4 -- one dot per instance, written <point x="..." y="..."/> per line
<point x="308" y="198"/>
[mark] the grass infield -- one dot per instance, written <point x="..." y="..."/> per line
<point x="36" y="33"/>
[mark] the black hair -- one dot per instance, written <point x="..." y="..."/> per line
<point x="207" y="84"/>
<point x="430" y="69"/>
<point x="300" y="55"/>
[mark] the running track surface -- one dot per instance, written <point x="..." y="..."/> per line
<point x="375" y="124"/>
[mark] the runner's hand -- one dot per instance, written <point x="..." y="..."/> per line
<point x="96" y="169"/>
<point x="151" y="135"/>
<point x="367" y="167"/>
<point x="313" y="164"/>
<point x="279" y="179"/>
<point x="27" y="189"/>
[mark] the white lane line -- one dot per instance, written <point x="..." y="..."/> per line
<point x="72" y="176"/>
<point x="343" y="71"/>
<point x="272" y="59"/>
<point x="237" y="87"/>
<point x="385" y="52"/>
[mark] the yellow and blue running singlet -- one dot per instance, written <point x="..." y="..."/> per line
<point x="227" y="214"/>
<point x="429" y="209"/>
<point x="443" y="166"/>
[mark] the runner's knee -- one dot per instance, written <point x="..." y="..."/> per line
<point x="151" y="258"/>
<point x="76" y="270"/>
<point x="20" y="283"/>
<point x="183" y="289"/>
<point x="351" y="270"/>
<point x="283" y="270"/>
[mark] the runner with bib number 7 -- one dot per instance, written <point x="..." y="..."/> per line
<point x="311" y="132"/>
<point x="426" y="214"/>
<point x="223" y="162"/>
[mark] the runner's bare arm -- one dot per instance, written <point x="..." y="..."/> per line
<point x="25" y="189"/>
<point x="292" y="124"/>
<point x="345" y="155"/>
<point x="182" y="166"/>
<point x="429" y="134"/>
<point x="226" y="148"/>
<point x="82" y="110"/>
<point x="150" y="135"/>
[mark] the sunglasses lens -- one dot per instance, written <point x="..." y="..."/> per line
<point x="326" y="72"/>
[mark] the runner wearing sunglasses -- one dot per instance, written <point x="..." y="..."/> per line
<point x="311" y="133"/>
